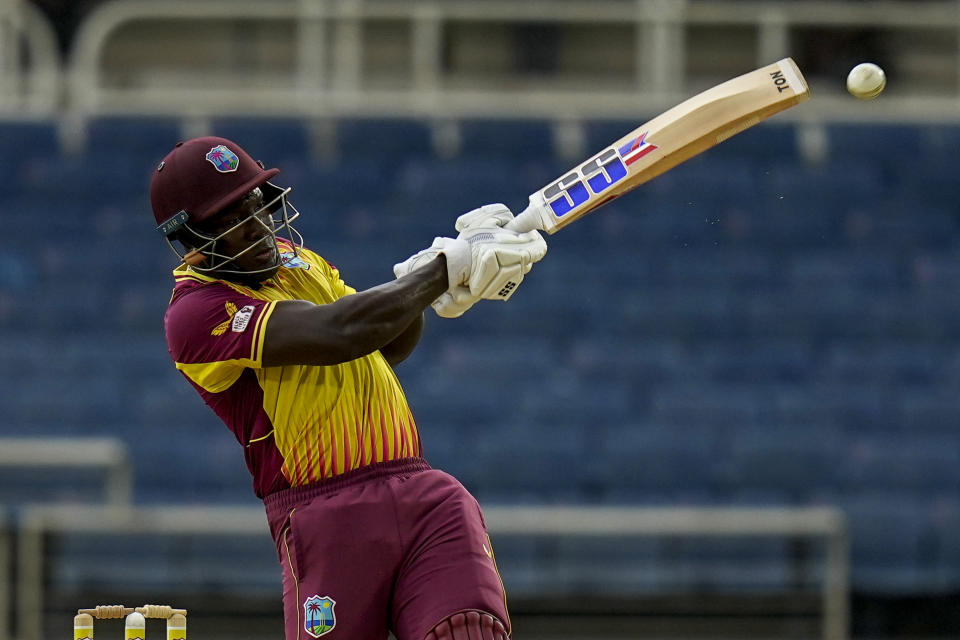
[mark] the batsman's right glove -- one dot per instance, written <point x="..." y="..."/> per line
<point x="485" y="261"/>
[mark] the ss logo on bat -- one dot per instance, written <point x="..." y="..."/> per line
<point x="569" y="192"/>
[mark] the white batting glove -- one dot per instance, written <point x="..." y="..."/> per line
<point x="459" y="257"/>
<point x="496" y="214"/>
<point x="489" y="215"/>
<point x="458" y="300"/>
<point x="501" y="258"/>
<point x="455" y="302"/>
<point x="485" y="261"/>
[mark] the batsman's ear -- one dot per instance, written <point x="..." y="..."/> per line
<point x="271" y="196"/>
<point x="188" y="239"/>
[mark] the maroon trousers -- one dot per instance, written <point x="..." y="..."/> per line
<point x="396" y="546"/>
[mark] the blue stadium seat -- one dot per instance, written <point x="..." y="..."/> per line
<point x="923" y="464"/>
<point x="801" y="463"/>
<point x="867" y="269"/>
<point x="757" y="361"/>
<point x="646" y="465"/>
<point x="930" y="410"/>
<point x="880" y="143"/>
<point x="511" y="142"/>
<point x="447" y="189"/>
<point x="697" y="401"/>
<point x="931" y="176"/>
<point x="891" y="535"/>
<point x="352" y="183"/>
<point x="146" y="140"/>
<point x="946" y="518"/>
<point x="150" y="563"/>
<point x="27" y="140"/>
<point x="600" y="134"/>
<point x="516" y="463"/>
<point x="283" y="143"/>
<point x="769" y="141"/>
<point x="702" y="182"/>
<point x="938" y="140"/>
<point x="117" y="162"/>
<point x="747" y="329"/>
<point x="893" y="364"/>
<point x="391" y="141"/>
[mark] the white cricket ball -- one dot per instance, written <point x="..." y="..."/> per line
<point x="866" y="81"/>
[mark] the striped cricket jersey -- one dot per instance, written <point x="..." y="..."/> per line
<point x="297" y="423"/>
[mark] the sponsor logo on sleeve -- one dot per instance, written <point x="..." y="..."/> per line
<point x="241" y="319"/>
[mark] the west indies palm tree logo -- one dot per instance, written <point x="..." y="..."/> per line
<point x="291" y="260"/>
<point x="223" y="159"/>
<point x="318" y="616"/>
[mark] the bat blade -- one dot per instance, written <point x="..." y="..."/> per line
<point x="690" y="128"/>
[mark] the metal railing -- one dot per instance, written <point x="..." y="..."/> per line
<point x="326" y="76"/>
<point x="31" y="74"/>
<point x="56" y="455"/>
<point x="5" y="590"/>
<point x="828" y="525"/>
<point x="107" y="454"/>
<point x="825" y="523"/>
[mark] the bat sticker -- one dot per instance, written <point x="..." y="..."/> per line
<point x="604" y="170"/>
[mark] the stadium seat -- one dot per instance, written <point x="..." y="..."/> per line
<point x="278" y="142"/>
<point x="747" y="329"/>
<point x="392" y="141"/>
<point x="133" y="138"/>
<point x="511" y="142"/>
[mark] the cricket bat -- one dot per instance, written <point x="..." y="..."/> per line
<point x="674" y="136"/>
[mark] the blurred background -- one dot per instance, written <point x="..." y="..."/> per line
<point x="724" y="406"/>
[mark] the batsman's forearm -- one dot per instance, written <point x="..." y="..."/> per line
<point x="307" y="334"/>
<point x="397" y="350"/>
<point x="377" y="316"/>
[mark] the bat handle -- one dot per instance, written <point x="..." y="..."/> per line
<point x="528" y="220"/>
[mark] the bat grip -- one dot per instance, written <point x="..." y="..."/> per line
<point x="527" y="220"/>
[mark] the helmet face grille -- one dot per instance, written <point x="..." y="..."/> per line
<point x="275" y="216"/>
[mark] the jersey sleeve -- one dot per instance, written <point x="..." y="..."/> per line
<point x="214" y="333"/>
<point x="338" y="287"/>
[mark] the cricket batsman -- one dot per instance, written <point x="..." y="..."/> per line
<point x="299" y="366"/>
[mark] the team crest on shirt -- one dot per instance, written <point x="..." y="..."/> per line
<point x="291" y="260"/>
<point x="318" y="615"/>
<point x="221" y="328"/>
<point x="223" y="159"/>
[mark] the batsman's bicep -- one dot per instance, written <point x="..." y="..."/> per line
<point x="303" y="333"/>
<point x="212" y="335"/>
<point x="291" y="326"/>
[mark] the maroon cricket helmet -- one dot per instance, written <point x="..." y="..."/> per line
<point x="201" y="177"/>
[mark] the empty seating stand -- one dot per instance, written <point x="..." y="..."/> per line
<point x="748" y="329"/>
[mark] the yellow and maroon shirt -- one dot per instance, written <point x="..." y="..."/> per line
<point x="297" y="423"/>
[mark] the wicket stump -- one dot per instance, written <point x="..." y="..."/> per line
<point x="134" y="626"/>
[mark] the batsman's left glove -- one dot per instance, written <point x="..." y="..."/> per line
<point x="500" y="259"/>
<point x="506" y="255"/>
